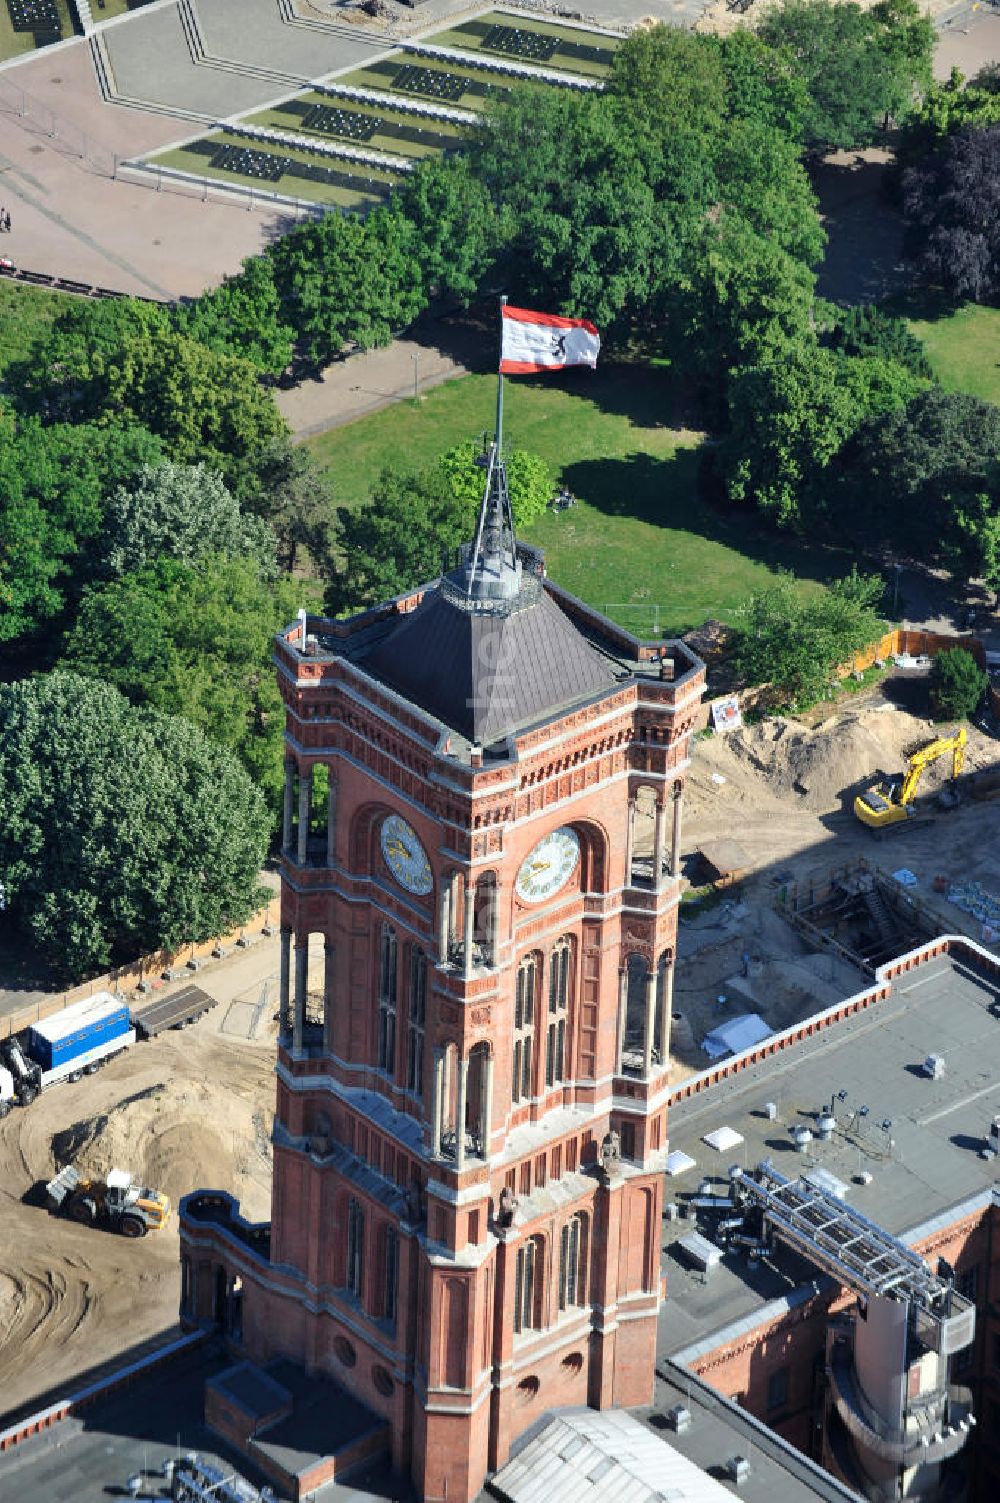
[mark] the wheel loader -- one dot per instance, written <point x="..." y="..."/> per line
<point x="117" y="1201"/>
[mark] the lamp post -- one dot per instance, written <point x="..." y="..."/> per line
<point x="416" y="376"/>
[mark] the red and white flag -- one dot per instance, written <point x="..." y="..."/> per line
<point x="545" y="342"/>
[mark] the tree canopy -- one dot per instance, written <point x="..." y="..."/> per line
<point x="196" y="641"/>
<point x="957" y="684"/>
<point x="121" y="831"/>
<point x="184" y="512"/>
<point x="952" y="207"/>
<point x="859" y="67"/>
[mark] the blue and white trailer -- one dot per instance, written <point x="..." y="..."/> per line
<point x="70" y="1043"/>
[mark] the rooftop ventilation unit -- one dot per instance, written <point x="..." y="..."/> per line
<point x="934" y="1066"/>
<point x="680" y="1418"/>
<point x="802" y="1137"/>
<point x="738" y="1469"/>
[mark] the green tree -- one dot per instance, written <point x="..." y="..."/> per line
<point x="455" y="229"/>
<point x="867" y="330"/>
<point x="795" y="645"/>
<point x="790" y="417"/>
<point x="183" y="512"/>
<point x="293" y="495"/>
<point x="121" y="832"/>
<point x="530" y="482"/>
<point x="204" y="406"/>
<point x="398" y="540"/>
<point x="673" y="81"/>
<point x="348" y="281"/>
<point x="957" y="684"/>
<point x="763" y="84"/>
<point x="242" y="317"/>
<point x="909" y="474"/>
<point x="53" y="486"/>
<point x="581" y="226"/>
<point x="859" y="66"/>
<point x="196" y="642"/>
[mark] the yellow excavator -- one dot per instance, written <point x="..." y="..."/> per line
<point x="891" y="802"/>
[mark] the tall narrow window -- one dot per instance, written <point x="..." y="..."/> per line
<point x="527" y="1281"/>
<point x="555" y="1036"/>
<point x="571" y="1264"/>
<point x="387" y="1000"/>
<point x="391" y="1273"/>
<point x="415" y="1021"/>
<point x="524" y="1029"/>
<point x="355" y="1246"/>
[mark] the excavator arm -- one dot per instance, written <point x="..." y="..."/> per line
<point x="930" y="753"/>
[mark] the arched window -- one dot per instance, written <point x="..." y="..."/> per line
<point x="387" y="1000"/>
<point x="355" y="1247"/>
<point x="390" y="1274"/>
<point x="528" y="1285"/>
<point x="415" y="1021"/>
<point x="555" y="1037"/>
<point x="524" y="1029"/>
<point x="572" y="1261"/>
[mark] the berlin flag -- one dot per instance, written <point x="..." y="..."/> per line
<point x="545" y="342"/>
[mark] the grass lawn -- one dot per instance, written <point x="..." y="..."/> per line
<point x="14" y="43"/>
<point x="354" y="184"/>
<point x="25" y="315"/>
<point x="964" y="350"/>
<point x="640" y="537"/>
<point x="398" y="132"/>
<point x="575" y="51"/>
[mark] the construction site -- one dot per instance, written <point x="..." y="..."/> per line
<point x="790" y="904"/>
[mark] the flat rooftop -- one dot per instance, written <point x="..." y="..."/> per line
<point x="920" y="1139"/>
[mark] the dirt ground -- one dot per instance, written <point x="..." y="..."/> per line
<point x="190" y="1108"/>
<point x="785" y="791"/>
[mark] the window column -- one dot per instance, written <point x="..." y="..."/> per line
<point x="437" y="1106"/>
<point x="659" y="844"/>
<point x="301" y="979"/>
<point x="331" y="822"/>
<point x="329" y="1000"/>
<point x="675" y="837"/>
<point x="305" y="813"/>
<point x="463" y="1091"/>
<point x="647" y="1055"/>
<point x="622" y="1013"/>
<point x="444" y="921"/>
<point x="630" y="842"/>
<point x="486" y="1115"/>
<point x="470" y="923"/>
<point x="284" y="983"/>
<point x="666" y="1008"/>
<point x="289" y="805"/>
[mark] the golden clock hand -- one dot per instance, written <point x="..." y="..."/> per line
<point x="540" y="866"/>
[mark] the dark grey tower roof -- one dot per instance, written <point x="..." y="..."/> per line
<point x="485" y="673"/>
<point x="487" y="650"/>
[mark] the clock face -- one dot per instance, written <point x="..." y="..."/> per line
<point x="405" y="856"/>
<point x="550" y="865"/>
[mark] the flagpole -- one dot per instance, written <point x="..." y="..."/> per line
<point x="499" y="432"/>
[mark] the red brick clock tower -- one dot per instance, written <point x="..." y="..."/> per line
<point x="482" y="821"/>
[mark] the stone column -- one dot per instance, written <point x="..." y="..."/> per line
<point x="286" y="823"/>
<point x="305" y="813"/>
<point x="301" y="980"/>
<point x="444" y="921"/>
<point x="493" y="945"/>
<point x="463" y="1089"/>
<point x="647" y="1041"/>
<point x="329" y="997"/>
<point x="629" y="842"/>
<point x="487" y="1112"/>
<point x="659" y="841"/>
<point x="470" y="922"/>
<point x="666" y="1011"/>
<point x="622" y="1015"/>
<point x="437" y="1104"/>
<point x="675" y="838"/>
<point x="331" y="823"/>
<point x="284" y="976"/>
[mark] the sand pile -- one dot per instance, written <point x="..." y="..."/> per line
<point x="824" y="766"/>
<point x="175" y="1137"/>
